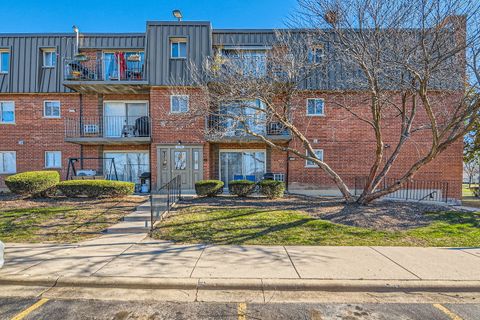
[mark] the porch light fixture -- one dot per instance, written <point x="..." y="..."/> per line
<point x="177" y="14"/>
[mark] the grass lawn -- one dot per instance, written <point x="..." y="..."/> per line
<point x="207" y="224"/>
<point x="467" y="197"/>
<point x="60" y="219"/>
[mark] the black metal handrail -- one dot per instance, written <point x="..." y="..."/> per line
<point x="162" y="200"/>
<point x="108" y="127"/>
<point x="228" y="126"/>
<point x="420" y="190"/>
<point x="105" y="69"/>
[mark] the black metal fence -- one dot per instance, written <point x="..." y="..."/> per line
<point x="162" y="200"/>
<point x="420" y="190"/>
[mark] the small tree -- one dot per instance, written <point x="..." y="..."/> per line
<point x="402" y="64"/>
<point x="471" y="156"/>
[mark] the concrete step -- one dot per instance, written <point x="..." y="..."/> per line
<point x="138" y="216"/>
<point x="130" y="227"/>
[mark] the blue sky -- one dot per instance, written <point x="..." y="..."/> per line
<point x="130" y="15"/>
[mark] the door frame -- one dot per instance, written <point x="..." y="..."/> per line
<point x="173" y="147"/>
<point x="238" y="150"/>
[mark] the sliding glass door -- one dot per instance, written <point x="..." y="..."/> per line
<point x="129" y="165"/>
<point x="242" y="165"/>
<point x="120" y="118"/>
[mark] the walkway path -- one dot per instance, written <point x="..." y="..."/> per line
<point x="136" y="255"/>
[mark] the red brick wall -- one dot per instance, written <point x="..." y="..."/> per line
<point x="38" y="134"/>
<point x="349" y="144"/>
<point x="346" y="141"/>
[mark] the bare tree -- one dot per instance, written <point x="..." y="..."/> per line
<point x="403" y="67"/>
<point x="472" y="170"/>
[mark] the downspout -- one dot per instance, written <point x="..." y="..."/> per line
<point x="81" y="129"/>
<point x="287" y="172"/>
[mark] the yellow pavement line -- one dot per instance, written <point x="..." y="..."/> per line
<point x="29" y="310"/>
<point x="449" y="313"/>
<point x="242" y="311"/>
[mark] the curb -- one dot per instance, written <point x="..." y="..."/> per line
<point x="247" y="284"/>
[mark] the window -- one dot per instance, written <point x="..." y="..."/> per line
<point x="51" y="109"/>
<point x="8" y="162"/>
<point x="49" y="58"/>
<point x="315" y="107"/>
<point x="4" y="61"/>
<point x="252" y="63"/>
<point x="53" y="159"/>
<point x="178" y="104"/>
<point x="178" y="48"/>
<point x="319" y="154"/>
<point x="7" y="112"/>
<point x="315" y="54"/>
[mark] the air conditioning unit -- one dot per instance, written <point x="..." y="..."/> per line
<point x="90" y="129"/>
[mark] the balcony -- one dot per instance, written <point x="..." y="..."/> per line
<point x="108" y="130"/>
<point x="226" y="129"/>
<point x="113" y="73"/>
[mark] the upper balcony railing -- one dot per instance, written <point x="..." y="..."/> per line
<point x="115" y="67"/>
<point x="224" y="128"/>
<point x="113" y="128"/>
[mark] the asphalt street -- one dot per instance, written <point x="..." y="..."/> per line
<point x="52" y="309"/>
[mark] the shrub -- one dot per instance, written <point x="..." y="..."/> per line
<point x="209" y="188"/>
<point x="272" y="189"/>
<point x="95" y="188"/>
<point x="33" y="183"/>
<point x="241" y="188"/>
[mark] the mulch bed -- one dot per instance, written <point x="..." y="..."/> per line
<point x="380" y="215"/>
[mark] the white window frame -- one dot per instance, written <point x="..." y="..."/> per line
<point x="178" y="40"/>
<point x="9" y="57"/>
<point x="44" y="52"/>
<point x="15" y="164"/>
<point x="315" y="114"/>
<point x="179" y="96"/>
<point x="1" y="111"/>
<point x="45" y="108"/>
<point x="313" y="165"/>
<point x="53" y="166"/>
<point x="314" y="53"/>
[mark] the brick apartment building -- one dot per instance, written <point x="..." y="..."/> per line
<point x="113" y="99"/>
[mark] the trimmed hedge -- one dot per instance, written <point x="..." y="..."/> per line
<point x="209" y="188"/>
<point x="33" y="183"/>
<point x="95" y="188"/>
<point x="241" y="188"/>
<point x="272" y="188"/>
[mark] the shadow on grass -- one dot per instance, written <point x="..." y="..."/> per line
<point x="457" y="217"/>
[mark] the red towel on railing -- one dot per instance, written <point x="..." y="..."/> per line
<point x="122" y="64"/>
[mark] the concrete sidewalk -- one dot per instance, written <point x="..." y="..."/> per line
<point x="135" y="256"/>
